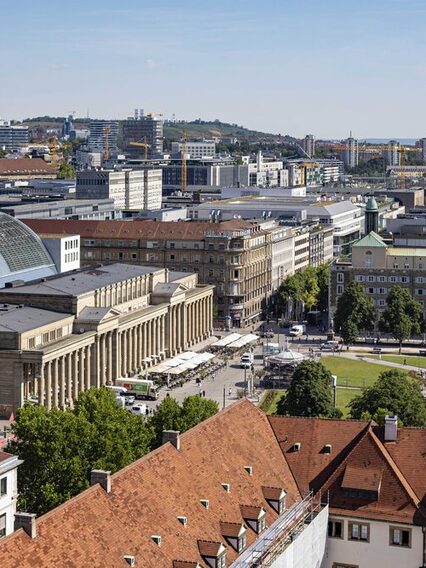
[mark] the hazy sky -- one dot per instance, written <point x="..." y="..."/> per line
<point x="290" y="66"/>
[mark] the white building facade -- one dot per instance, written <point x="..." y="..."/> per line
<point x="8" y="492"/>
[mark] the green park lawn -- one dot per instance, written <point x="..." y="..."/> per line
<point x="352" y="373"/>
<point x="269" y="401"/>
<point x="403" y="360"/>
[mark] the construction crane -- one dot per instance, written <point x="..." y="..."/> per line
<point x="402" y="150"/>
<point x="107" y="130"/>
<point x="183" y="154"/>
<point x="141" y="144"/>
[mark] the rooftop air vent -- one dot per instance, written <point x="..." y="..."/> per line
<point x="204" y="503"/>
<point x="248" y="469"/>
<point x="327" y="449"/>
<point x="156" y="538"/>
<point x="131" y="560"/>
<point x="227" y="487"/>
<point x="297" y="446"/>
<point x="182" y="520"/>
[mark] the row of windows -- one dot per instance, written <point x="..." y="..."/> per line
<point x="373" y="278"/>
<point x="398" y="536"/>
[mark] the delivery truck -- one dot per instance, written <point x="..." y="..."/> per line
<point x="142" y="389"/>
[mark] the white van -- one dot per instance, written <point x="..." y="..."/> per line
<point x="117" y="390"/>
<point x="246" y="360"/>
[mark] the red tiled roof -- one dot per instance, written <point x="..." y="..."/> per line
<point x="137" y="229"/>
<point x="209" y="548"/>
<point x="98" y="529"/>
<point x="251" y="512"/>
<point x="17" y="166"/>
<point x="5" y="456"/>
<point x="272" y="493"/>
<point x="231" y="530"/>
<point x="358" y="460"/>
<point x="367" y="478"/>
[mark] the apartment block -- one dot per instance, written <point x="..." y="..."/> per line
<point x="13" y="138"/>
<point x="196" y="149"/>
<point x="379" y="266"/>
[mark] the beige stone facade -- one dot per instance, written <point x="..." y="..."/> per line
<point x="68" y="333"/>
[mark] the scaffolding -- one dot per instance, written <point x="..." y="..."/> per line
<point x="275" y="539"/>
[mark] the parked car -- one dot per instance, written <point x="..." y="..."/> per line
<point x="138" y="409"/>
<point x="329" y="346"/>
<point x="268" y="333"/>
<point x="297" y="330"/>
<point x="246" y="360"/>
<point x="129" y="399"/>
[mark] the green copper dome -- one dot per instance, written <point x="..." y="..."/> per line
<point x="372" y="205"/>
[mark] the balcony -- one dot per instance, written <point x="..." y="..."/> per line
<point x="282" y="539"/>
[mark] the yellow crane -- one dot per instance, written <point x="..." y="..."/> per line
<point x="183" y="154"/>
<point x="107" y="130"/>
<point x="141" y="144"/>
<point x="402" y="150"/>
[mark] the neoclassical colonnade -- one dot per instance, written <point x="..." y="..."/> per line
<point x="100" y="358"/>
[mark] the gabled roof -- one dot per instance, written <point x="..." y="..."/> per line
<point x="98" y="529"/>
<point x="372" y="240"/>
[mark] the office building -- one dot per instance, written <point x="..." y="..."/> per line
<point x="196" y="149"/>
<point x="301" y="493"/>
<point x="379" y="266"/>
<point x="422" y="144"/>
<point x="13" y="138"/>
<point x="202" y="173"/>
<point x="137" y="189"/>
<point x="392" y="154"/>
<point x="308" y="145"/>
<point x="103" y="137"/>
<point x="64" y="250"/>
<point x="67" y="333"/>
<point x="86" y="160"/>
<point x="47" y="208"/>
<point x="142" y="129"/>
<point x="350" y="155"/>
<point x="244" y="261"/>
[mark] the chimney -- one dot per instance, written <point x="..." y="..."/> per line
<point x="166" y="275"/>
<point x="102" y="477"/>
<point x="391" y="428"/>
<point x="27" y="521"/>
<point x="173" y="437"/>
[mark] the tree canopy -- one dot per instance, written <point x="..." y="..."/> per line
<point x="60" y="448"/>
<point x="66" y="171"/>
<point x="307" y="289"/>
<point x="393" y="393"/>
<point x="310" y="392"/>
<point x="403" y="316"/>
<point x="355" y="311"/>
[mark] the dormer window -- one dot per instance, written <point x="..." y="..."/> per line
<point x="235" y="535"/>
<point x="213" y="553"/>
<point x="276" y="498"/>
<point x="255" y="517"/>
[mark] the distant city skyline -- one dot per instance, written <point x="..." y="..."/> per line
<point x="283" y="67"/>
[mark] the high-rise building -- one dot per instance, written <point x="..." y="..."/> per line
<point x="143" y="129"/>
<point x="309" y="145"/>
<point x="392" y="154"/>
<point x="103" y="136"/>
<point x="350" y="155"/>
<point x="13" y="138"/>
<point x="422" y="144"/>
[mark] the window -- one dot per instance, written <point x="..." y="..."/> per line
<point x="382" y="278"/>
<point x="172" y="257"/>
<point x="395" y="265"/>
<point x="31" y="343"/>
<point x="420" y="291"/>
<point x="382" y="290"/>
<point x="359" y="531"/>
<point x="261" y="524"/>
<point x="393" y="278"/>
<point x="3" y="525"/>
<point x="339" y="289"/>
<point x="368" y="261"/>
<point x="370" y="290"/>
<point x="335" y="529"/>
<point x="242" y="541"/>
<point x="3" y="486"/>
<point x="371" y="278"/>
<point x="406" y="265"/>
<point x="381" y="302"/>
<point x="340" y="277"/>
<point x="172" y="245"/>
<point x="221" y="561"/>
<point x="400" y="537"/>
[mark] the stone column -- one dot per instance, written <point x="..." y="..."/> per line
<point x="129" y="350"/>
<point x="144" y="343"/>
<point x="75" y="378"/>
<point x="158" y="332"/>
<point x="81" y="370"/>
<point x="163" y="335"/>
<point x="55" y="382"/>
<point x="109" y="357"/>
<point x="41" y="386"/>
<point x="62" y="368"/>
<point x="48" y="385"/>
<point x="88" y="370"/>
<point x="135" y="349"/>
<point x="69" y="377"/>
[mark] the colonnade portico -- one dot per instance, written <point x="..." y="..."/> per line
<point x="125" y="350"/>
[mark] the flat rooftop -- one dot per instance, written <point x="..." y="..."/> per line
<point x="84" y="280"/>
<point x="20" y="319"/>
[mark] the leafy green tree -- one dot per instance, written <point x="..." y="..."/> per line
<point x="403" y="316"/>
<point x="170" y="415"/>
<point x="66" y="171"/>
<point x="55" y="449"/>
<point x="310" y="392"/>
<point x="322" y="276"/>
<point x="60" y="448"/>
<point x="394" y="392"/>
<point x="310" y="287"/>
<point x="355" y="311"/>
